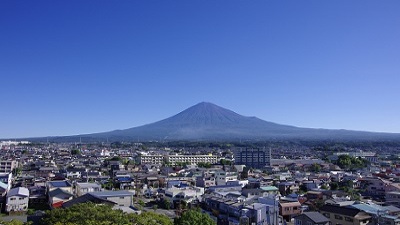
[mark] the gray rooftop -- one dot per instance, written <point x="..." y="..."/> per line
<point x="316" y="217"/>
<point x="111" y="193"/>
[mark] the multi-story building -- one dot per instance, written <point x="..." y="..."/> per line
<point x="174" y="159"/>
<point x="152" y="159"/>
<point x="222" y="177"/>
<point x="7" y="166"/>
<point x="17" y="200"/>
<point x="253" y="157"/>
<point x="191" y="159"/>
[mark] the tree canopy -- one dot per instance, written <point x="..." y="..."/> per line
<point x="351" y="163"/>
<point x="194" y="217"/>
<point x="92" y="214"/>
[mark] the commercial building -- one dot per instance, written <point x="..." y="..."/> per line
<point x="253" y="157"/>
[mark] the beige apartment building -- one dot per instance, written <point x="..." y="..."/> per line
<point x="174" y="159"/>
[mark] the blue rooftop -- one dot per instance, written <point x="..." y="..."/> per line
<point x="59" y="184"/>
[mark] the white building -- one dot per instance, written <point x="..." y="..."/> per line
<point x="174" y="159"/>
<point x="7" y="166"/>
<point x="17" y="199"/>
<point x="151" y="159"/>
<point x="121" y="198"/>
<point x="191" y="159"/>
<point x="187" y="194"/>
<point x="83" y="188"/>
<point x="222" y="177"/>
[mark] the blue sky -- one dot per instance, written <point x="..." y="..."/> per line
<point x="73" y="67"/>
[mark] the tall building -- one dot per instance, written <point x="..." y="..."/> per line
<point x="7" y="166"/>
<point x="253" y="157"/>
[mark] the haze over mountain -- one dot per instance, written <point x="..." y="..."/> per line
<point x="207" y="121"/>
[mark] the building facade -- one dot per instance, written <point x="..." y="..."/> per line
<point x="17" y="200"/>
<point x="7" y="166"/>
<point x="174" y="159"/>
<point x="253" y="157"/>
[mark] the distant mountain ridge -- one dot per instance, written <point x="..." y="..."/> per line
<point x="208" y="122"/>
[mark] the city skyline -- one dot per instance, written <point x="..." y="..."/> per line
<point x="84" y="67"/>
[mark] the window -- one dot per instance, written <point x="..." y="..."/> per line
<point x="309" y="223"/>
<point x="338" y="217"/>
<point x="327" y="215"/>
<point x="298" y="222"/>
<point x="348" y="219"/>
<point x="121" y="197"/>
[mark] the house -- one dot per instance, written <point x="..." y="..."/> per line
<point x="74" y="173"/>
<point x="205" y="181"/>
<point x="311" y="218"/>
<point x="17" y="200"/>
<point x="88" y="197"/>
<point x="58" y="196"/>
<point x="6" y="178"/>
<point x="392" y="198"/>
<point x="289" y="209"/>
<point x="37" y="194"/>
<point x="187" y="194"/>
<point x="121" y="198"/>
<point x="345" y="215"/>
<point x="62" y="184"/>
<point x="222" y="177"/>
<point x="257" y="213"/>
<point x="286" y="188"/>
<point x="83" y="188"/>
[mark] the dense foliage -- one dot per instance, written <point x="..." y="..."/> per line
<point x="91" y="214"/>
<point x="194" y="217"/>
<point x="351" y="163"/>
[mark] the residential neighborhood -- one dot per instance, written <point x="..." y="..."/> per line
<point x="292" y="190"/>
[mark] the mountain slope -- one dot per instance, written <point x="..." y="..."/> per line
<point x="206" y="121"/>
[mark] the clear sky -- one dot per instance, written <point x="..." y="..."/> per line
<point x="73" y="67"/>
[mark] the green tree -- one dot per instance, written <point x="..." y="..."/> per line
<point x="165" y="203"/>
<point x="194" y="217"/>
<point x="334" y="186"/>
<point x="151" y="218"/>
<point x="315" y="168"/>
<point x="14" y="222"/>
<point x="75" y="152"/>
<point x="92" y="214"/>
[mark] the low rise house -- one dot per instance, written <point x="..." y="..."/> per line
<point x="286" y="188"/>
<point x="63" y="184"/>
<point x="345" y="215"/>
<point x="83" y="188"/>
<point x="187" y="194"/>
<point x="58" y="196"/>
<point x="290" y="209"/>
<point x="121" y="198"/>
<point x="222" y="177"/>
<point x="311" y="218"/>
<point x="17" y="200"/>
